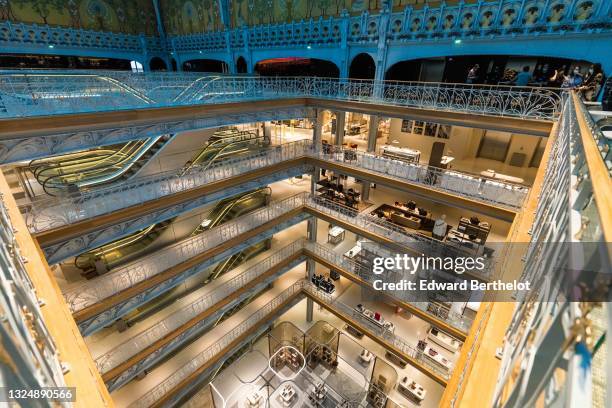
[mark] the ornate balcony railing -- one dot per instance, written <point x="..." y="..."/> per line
<point x="476" y="187"/>
<point x="172" y="382"/>
<point x="455" y="319"/>
<point x="482" y="19"/>
<point x="145" y="338"/>
<point x="352" y="314"/>
<point x="410" y="241"/>
<point x="44" y="215"/>
<point x="173" y="322"/>
<point x="31" y="94"/>
<point x="29" y="352"/>
<point x="567" y="260"/>
<point x="96" y="290"/>
<point x="52" y="213"/>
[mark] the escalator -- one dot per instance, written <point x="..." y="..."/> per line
<point x="225" y="144"/>
<point x="223" y="211"/>
<point x="113" y="254"/>
<point x="94" y="168"/>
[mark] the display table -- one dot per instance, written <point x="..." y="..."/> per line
<point x="437" y="359"/>
<point x="354" y="251"/>
<point x="375" y="318"/>
<point x="503" y="177"/>
<point x="287" y="394"/>
<point x="335" y="235"/>
<point x="366" y="357"/>
<point x="404" y="154"/>
<point x="444" y="340"/>
<point x="446" y="160"/>
<point x="411" y="389"/>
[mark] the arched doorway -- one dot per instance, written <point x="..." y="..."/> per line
<point x="241" y="66"/>
<point x="205" y="65"/>
<point x="404" y="71"/>
<point x="294" y="66"/>
<point x="362" y="67"/>
<point x="157" y="64"/>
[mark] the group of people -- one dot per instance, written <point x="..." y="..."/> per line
<point x="589" y="84"/>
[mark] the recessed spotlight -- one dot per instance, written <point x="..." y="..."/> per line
<point x="51" y="46"/>
<point x="458" y="41"/>
<point x="309" y="47"/>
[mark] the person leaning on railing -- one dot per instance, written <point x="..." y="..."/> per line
<point x="592" y="84"/>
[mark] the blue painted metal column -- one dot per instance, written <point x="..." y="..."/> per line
<point x="381" y="51"/>
<point x="224" y="7"/>
<point x="160" y="23"/>
<point x="344" y="50"/>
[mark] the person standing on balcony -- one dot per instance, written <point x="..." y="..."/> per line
<point x="523" y="78"/>
<point x="592" y="84"/>
<point x="472" y="75"/>
<point x="573" y="80"/>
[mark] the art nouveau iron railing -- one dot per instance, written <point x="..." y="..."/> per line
<point x="170" y="383"/>
<point x="173" y="322"/>
<point x="416" y="243"/>
<point x="476" y="187"/>
<point x="567" y="259"/>
<point x="53" y="213"/>
<point x="173" y="329"/>
<point x="125" y="277"/>
<point x="29" y="353"/>
<point x="351" y="313"/>
<point x="122" y="278"/>
<point x="145" y="338"/>
<point x="497" y="19"/>
<point x="365" y="273"/>
<point x="48" y="214"/>
<point x="32" y="94"/>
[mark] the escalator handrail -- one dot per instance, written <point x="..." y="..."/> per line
<point x="121" y="167"/>
<point x="180" y="97"/>
<point x="223" y="150"/>
<point x="57" y="161"/>
<point x="235" y="202"/>
<point x="57" y="181"/>
<point x="112" y="246"/>
<point x="64" y="168"/>
<point x="215" y="144"/>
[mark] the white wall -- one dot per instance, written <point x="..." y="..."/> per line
<point x="462" y="143"/>
<point x="522" y="144"/>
